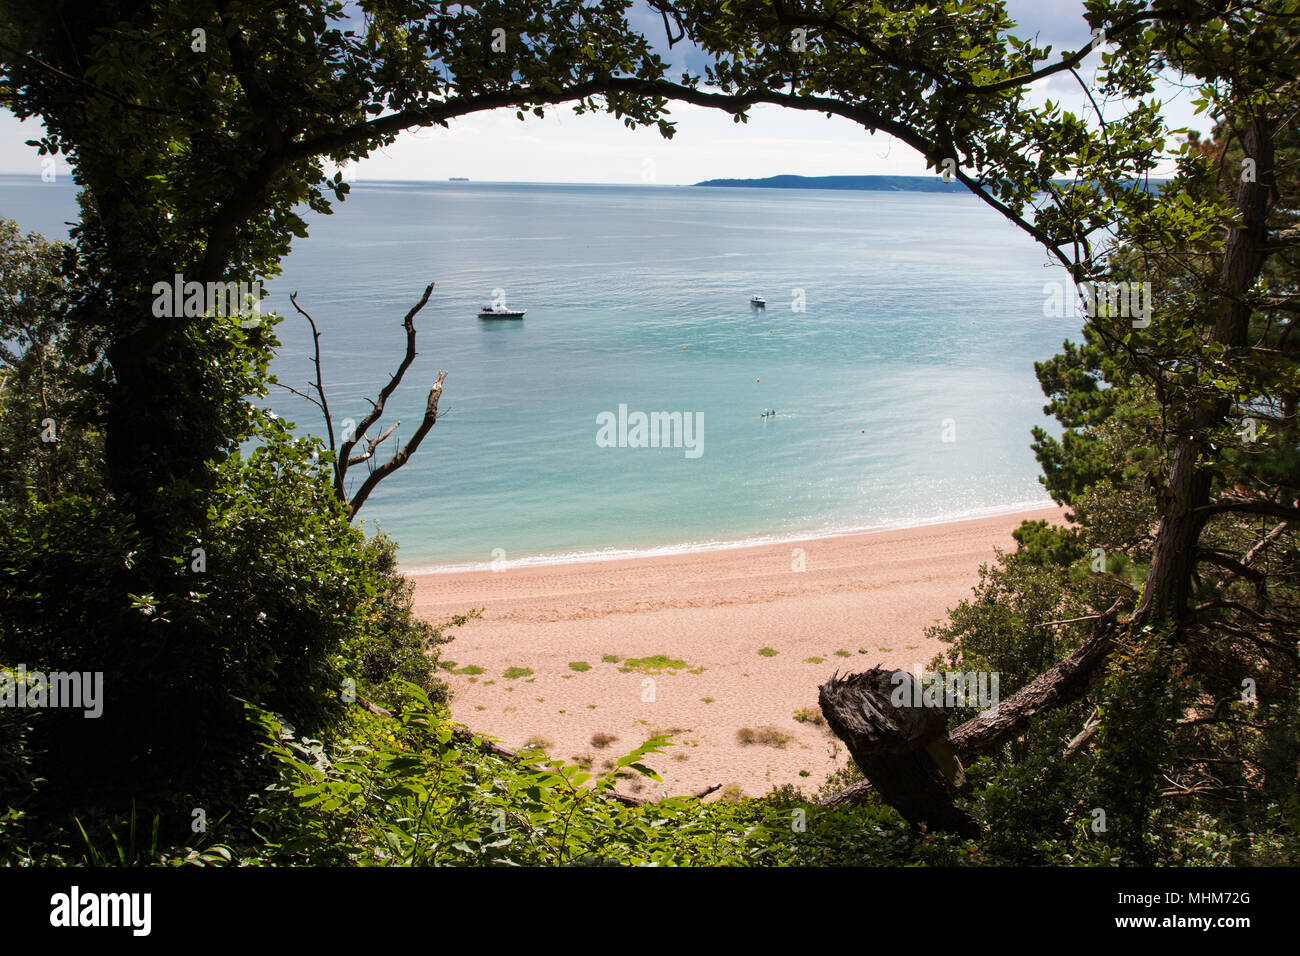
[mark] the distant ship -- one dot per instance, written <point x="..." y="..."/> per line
<point x="458" y="179"/>
<point x="758" y="302"/>
<point x="492" y="311"/>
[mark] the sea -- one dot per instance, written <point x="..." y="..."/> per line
<point x="896" y="347"/>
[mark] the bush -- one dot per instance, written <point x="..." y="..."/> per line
<point x="411" y="791"/>
<point x="276" y="600"/>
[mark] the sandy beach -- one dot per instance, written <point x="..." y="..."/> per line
<point x="705" y="646"/>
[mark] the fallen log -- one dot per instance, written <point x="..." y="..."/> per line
<point x="1062" y="684"/>
<point x="901" y="749"/>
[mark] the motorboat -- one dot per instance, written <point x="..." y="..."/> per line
<point x="495" y="311"/>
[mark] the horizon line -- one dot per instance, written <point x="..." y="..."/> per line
<point x="556" y="182"/>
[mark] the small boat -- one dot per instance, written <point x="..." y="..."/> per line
<point x="768" y="413"/>
<point x="493" y="311"/>
<point x="758" y="302"/>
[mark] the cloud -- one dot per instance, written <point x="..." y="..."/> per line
<point x="1059" y="23"/>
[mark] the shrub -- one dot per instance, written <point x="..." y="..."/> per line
<point x="767" y="736"/>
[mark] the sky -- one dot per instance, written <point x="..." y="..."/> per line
<point x="566" y="148"/>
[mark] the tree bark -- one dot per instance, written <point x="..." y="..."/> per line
<point x="901" y="750"/>
<point x="1168" y="585"/>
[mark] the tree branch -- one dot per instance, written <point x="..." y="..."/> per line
<point x="1271" y="509"/>
<point x="407" y="450"/>
<point x="377" y="407"/>
<point x="320" y="382"/>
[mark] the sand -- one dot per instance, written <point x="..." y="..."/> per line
<point x="858" y="601"/>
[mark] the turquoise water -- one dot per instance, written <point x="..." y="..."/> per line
<point x="924" y="315"/>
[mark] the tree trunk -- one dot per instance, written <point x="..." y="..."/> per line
<point x="902" y="750"/>
<point x="1168" y="584"/>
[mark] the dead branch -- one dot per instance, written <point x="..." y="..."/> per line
<point x="1069" y="620"/>
<point x="372" y="444"/>
<point x="404" y="453"/>
<point x="1060" y="685"/>
<point x="377" y="407"/>
<point x="1090" y="728"/>
<point x="1249" y="612"/>
<point x="1229" y="563"/>
<point x="290" y="388"/>
<point x="323" y="404"/>
<point x="344" y="457"/>
<point x="1271" y="509"/>
<point x="1255" y="551"/>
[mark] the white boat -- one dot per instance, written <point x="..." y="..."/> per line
<point x="758" y="302"/>
<point x="493" y="311"/>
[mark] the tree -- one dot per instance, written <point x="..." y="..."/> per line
<point x="43" y="450"/>
<point x="197" y="132"/>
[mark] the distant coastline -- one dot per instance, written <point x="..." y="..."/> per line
<point x="916" y="184"/>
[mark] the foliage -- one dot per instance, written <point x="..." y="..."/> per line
<point x="413" y="792"/>
<point x="43" y="448"/>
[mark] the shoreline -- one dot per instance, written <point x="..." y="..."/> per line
<point x="727" y="544"/>
<point x="704" y="645"/>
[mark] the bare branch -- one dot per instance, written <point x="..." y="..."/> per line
<point x="320" y="383"/>
<point x="290" y="388"/>
<point x="377" y="407"/>
<point x="1071" y="620"/>
<point x="1090" y="728"/>
<point x="1232" y="564"/>
<point x="407" y="450"/>
<point x="372" y="444"/>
